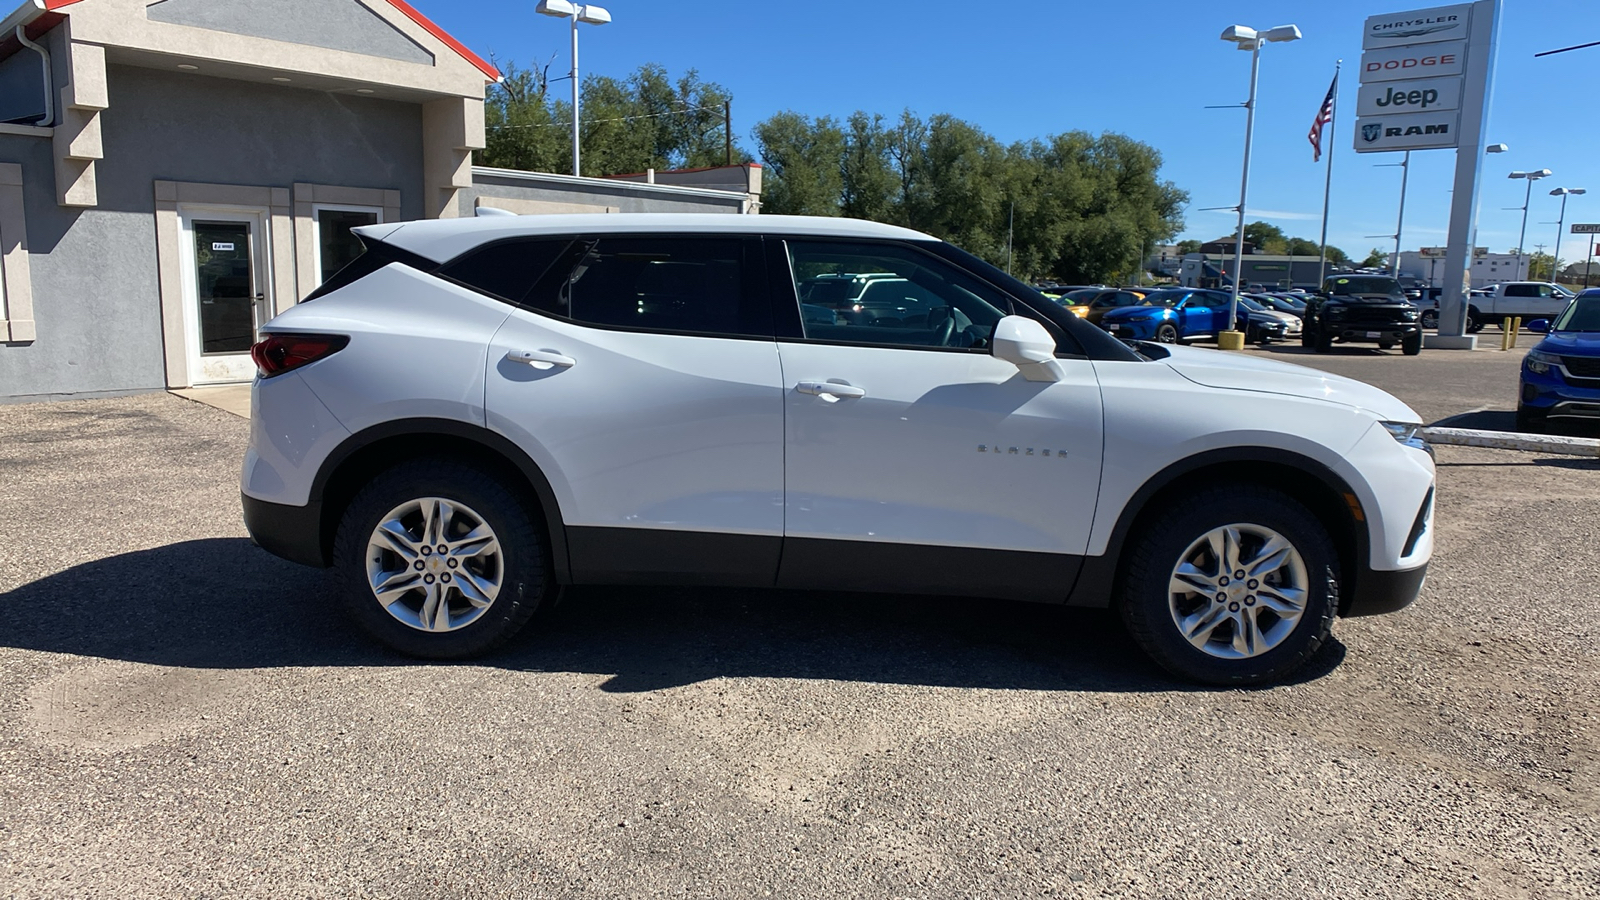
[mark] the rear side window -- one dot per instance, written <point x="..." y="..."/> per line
<point x="506" y="269"/>
<point x="686" y="285"/>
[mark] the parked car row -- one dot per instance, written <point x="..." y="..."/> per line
<point x="1179" y="314"/>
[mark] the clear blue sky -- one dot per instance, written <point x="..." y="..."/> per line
<point x="1029" y="68"/>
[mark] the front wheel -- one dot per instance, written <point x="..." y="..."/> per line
<point x="440" y="560"/>
<point x="1166" y="333"/>
<point x="1233" y="585"/>
<point x="1412" y="344"/>
<point x="1323" y="342"/>
<point x="1474" y="320"/>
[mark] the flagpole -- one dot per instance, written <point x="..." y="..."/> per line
<point x="1327" y="187"/>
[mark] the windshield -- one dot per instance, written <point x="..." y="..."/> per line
<point x="1249" y="303"/>
<point x="1372" y="288"/>
<point x="1162" y="298"/>
<point x="1081" y="296"/>
<point x="1582" y="316"/>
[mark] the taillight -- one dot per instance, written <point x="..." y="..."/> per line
<point x="275" y="354"/>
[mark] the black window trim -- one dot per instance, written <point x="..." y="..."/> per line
<point x="753" y="280"/>
<point x="778" y="255"/>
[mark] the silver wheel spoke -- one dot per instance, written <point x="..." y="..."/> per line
<point x="1281" y="600"/>
<point x="396" y="585"/>
<point x="435" y="613"/>
<point x="1197" y="629"/>
<point x="476" y="591"/>
<point x="396" y="538"/>
<point x="1246" y="638"/>
<point x="476" y="542"/>
<point x="1230" y="540"/>
<point x="1270" y="558"/>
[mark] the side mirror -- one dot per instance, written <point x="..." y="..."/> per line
<point x="1542" y="326"/>
<point x="1025" y="344"/>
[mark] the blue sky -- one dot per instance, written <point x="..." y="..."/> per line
<point x="1022" y="69"/>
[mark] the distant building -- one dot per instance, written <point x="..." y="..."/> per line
<point x="1427" y="267"/>
<point x="1271" y="272"/>
<point x="1224" y="247"/>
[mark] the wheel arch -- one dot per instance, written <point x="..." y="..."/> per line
<point x="1326" y="494"/>
<point x="353" y="463"/>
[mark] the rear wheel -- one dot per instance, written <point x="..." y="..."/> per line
<point x="1166" y="333"/>
<point x="440" y="560"/>
<point x="1430" y="318"/>
<point x="1474" y="320"/>
<point x="1232" y="585"/>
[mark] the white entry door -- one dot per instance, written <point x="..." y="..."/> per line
<point x="223" y="254"/>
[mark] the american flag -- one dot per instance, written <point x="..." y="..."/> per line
<point x="1324" y="116"/>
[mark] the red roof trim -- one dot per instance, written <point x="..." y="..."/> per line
<point x="436" y="31"/>
<point x="57" y="4"/>
<point x="9" y="45"/>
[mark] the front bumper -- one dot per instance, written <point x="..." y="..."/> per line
<point x="1131" y="331"/>
<point x="1384" y="333"/>
<point x="291" y="532"/>
<point x="1378" y="592"/>
<point x="1550" y="394"/>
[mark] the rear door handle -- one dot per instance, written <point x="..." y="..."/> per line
<point x="826" y="389"/>
<point x="541" y="359"/>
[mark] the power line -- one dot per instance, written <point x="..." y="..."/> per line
<point x="671" y="112"/>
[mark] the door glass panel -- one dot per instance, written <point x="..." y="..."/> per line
<point x="337" y="245"/>
<point x="890" y="296"/>
<point x="225" y="287"/>
<point x="678" y="285"/>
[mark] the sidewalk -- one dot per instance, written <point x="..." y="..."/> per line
<point x="234" y="398"/>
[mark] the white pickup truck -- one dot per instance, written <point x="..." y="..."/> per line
<point x="1489" y="305"/>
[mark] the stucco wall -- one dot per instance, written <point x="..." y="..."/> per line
<point x="95" y="295"/>
<point x="337" y="25"/>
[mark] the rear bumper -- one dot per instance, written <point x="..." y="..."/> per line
<point x="1378" y="592"/>
<point x="292" y="532"/>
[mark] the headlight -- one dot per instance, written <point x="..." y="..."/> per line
<point x="1334" y="312"/>
<point x="1409" y="315"/>
<point x="1539" y="362"/>
<point x="1402" y="431"/>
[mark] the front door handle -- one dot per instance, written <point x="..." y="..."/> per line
<point x="541" y="359"/>
<point x="830" y="389"/>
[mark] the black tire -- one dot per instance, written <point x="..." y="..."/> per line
<point x="1474" y="320"/>
<point x="1308" y="337"/>
<point x="1323" y="342"/>
<point x="1412" y="344"/>
<point x="1166" y="333"/>
<point x="1530" y="422"/>
<point x="1154" y="553"/>
<point x="1430" y="318"/>
<point x="525" y="582"/>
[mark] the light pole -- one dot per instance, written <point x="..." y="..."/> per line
<point x="578" y="12"/>
<point x="1251" y="40"/>
<point x="1561" y="223"/>
<point x="1522" y="235"/>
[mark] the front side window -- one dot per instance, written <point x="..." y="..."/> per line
<point x="911" y="300"/>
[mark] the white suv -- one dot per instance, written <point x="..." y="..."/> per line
<point x="477" y="412"/>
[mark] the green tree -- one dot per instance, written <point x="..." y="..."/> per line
<point x="1375" y="259"/>
<point x="1540" y="266"/>
<point x="802" y="159"/>
<point x="1187" y="247"/>
<point x="1266" y="237"/>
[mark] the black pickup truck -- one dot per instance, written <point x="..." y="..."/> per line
<point x="1354" y="309"/>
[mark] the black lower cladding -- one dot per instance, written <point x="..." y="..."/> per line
<point x="823" y="564"/>
<point x="1379" y="592"/>
<point x="292" y="532"/>
<point x="656" y="556"/>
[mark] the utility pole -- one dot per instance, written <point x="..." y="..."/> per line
<point x="727" y="127"/>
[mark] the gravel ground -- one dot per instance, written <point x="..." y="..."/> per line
<point x="182" y="715"/>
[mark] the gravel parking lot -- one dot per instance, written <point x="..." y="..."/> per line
<point x="182" y="715"/>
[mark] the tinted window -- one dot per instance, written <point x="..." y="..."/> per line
<point x="508" y="269"/>
<point x="1521" y="290"/>
<point x="693" y="285"/>
<point x="923" y="302"/>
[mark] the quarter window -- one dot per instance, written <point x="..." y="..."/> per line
<point x="888" y="295"/>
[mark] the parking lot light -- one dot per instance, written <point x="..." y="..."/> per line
<point x="1561" y="223"/>
<point x="577" y="12"/>
<point x="1522" y="235"/>
<point x="1247" y="38"/>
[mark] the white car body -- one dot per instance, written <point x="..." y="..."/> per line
<point x="681" y="458"/>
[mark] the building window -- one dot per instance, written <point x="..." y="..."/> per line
<point x="336" y="246"/>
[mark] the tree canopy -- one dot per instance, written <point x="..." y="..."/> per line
<point x="644" y="121"/>
<point x="1076" y="206"/>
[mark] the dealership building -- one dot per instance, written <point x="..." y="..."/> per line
<point x="175" y="173"/>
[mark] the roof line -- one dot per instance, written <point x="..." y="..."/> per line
<point x="488" y="70"/>
<point x="613" y="183"/>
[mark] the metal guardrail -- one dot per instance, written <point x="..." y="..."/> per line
<point x="1506" y="440"/>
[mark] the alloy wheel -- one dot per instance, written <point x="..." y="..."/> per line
<point x="434" y="564"/>
<point x="1238" y="591"/>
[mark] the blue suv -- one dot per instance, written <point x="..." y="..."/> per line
<point x="1561" y="375"/>
<point x="1172" y="315"/>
